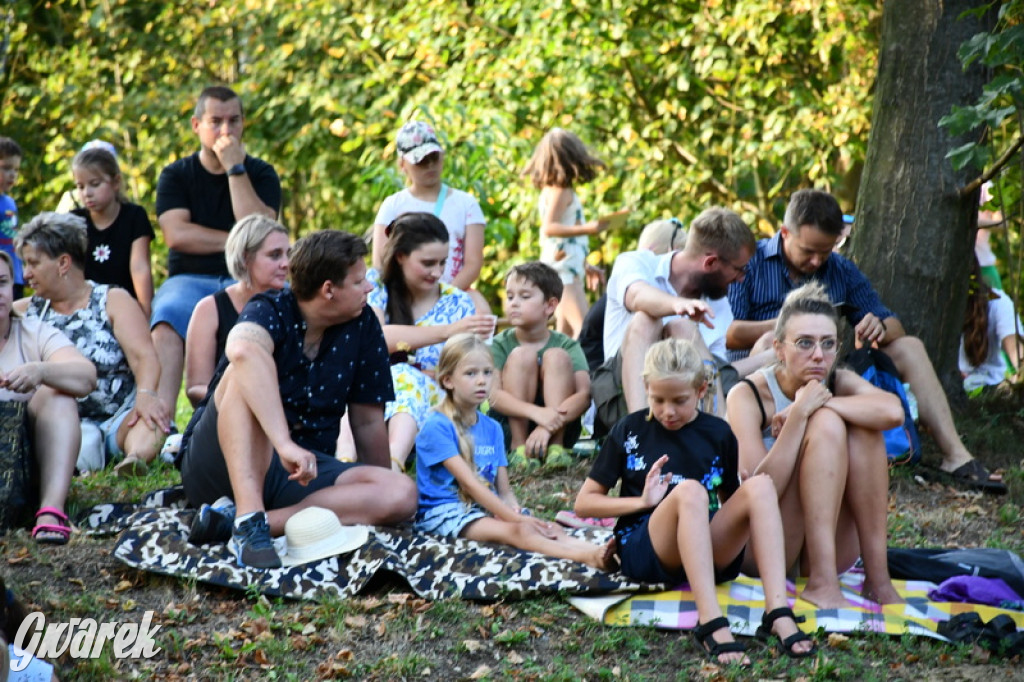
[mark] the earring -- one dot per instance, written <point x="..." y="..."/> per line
<point x="330" y="296"/>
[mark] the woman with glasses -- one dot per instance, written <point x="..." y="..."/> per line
<point x="817" y="431"/>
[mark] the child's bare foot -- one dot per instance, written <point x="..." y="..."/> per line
<point x="825" y="596"/>
<point x="604" y="558"/>
<point x="883" y="593"/>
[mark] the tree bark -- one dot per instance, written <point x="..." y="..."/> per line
<point x="914" y="234"/>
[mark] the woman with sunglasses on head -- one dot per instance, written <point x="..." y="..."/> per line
<point x="817" y="431"/>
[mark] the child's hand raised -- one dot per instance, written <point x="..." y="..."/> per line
<point x="656" y="484"/>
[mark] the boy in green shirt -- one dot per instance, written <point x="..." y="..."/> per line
<point x="542" y="386"/>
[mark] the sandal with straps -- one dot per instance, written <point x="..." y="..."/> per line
<point x="714" y="649"/>
<point x="63" y="530"/>
<point x="785" y="646"/>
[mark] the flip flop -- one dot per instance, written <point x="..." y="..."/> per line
<point x="63" y="530"/>
<point x="973" y="475"/>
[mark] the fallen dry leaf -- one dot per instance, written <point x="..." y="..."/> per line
<point x="355" y="621"/>
<point x="838" y="641"/>
<point x="481" y="672"/>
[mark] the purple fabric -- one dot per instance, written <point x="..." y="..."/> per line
<point x="974" y="589"/>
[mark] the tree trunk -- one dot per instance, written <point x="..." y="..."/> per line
<point x="914" y="234"/>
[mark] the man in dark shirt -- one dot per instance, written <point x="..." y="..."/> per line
<point x="802" y="251"/>
<point x="265" y="434"/>
<point x="198" y="199"/>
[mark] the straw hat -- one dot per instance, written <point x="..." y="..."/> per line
<point x="316" y="533"/>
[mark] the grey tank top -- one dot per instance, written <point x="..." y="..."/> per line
<point x="781" y="402"/>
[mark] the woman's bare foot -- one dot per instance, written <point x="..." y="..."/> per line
<point x="883" y="593"/>
<point x="825" y="596"/>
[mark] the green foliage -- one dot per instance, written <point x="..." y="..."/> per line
<point x="734" y="102"/>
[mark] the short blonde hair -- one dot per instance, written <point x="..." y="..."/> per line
<point x="245" y="239"/>
<point x="662" y="236"/>
<point x="674" y="359"/>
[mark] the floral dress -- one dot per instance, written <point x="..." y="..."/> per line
<point x="415" y="391"/>
<point x="90" y="330"/>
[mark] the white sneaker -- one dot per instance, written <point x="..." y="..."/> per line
<point x="169" y="452"/>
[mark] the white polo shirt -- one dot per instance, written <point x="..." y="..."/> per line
<point x="645" y="266"/>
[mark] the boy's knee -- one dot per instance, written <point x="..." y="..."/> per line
<point x="521" y="359"/>
<point x="555" y="359"/>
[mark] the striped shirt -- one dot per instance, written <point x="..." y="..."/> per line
<point x="760" y="295"/>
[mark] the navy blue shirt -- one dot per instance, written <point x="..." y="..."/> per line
<point x="351" y="367"/>
<point x="760" y="295"/>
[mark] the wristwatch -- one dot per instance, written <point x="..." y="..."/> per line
<point x="237" y="169"/>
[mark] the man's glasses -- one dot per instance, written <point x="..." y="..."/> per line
<point x="805" y="344"/>
<point x="740" y="269"/>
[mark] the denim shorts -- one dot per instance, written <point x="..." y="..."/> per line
<point x="178" y="297"/>
<point x="99" y="440"/>
<point x="640" y="562"/>
<point x="449" y="519"/>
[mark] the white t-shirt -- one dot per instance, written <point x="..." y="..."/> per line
<point x="982" y="246"/>
<point x="459" y="210"/>
<point x="646" y="266"/>
<point x="29" y="341"/>
<point x="1001" y="321"/>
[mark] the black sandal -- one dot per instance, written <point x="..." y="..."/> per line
<point x="785" y="646"/>
<point x="714" y="649"/>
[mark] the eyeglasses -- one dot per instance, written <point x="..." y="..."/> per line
<point x="740" y="269"/>
<point x="805" y="344"/>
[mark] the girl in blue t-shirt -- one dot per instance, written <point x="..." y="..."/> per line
<point x="684" y="515"/>
<point x="461" y="469"/>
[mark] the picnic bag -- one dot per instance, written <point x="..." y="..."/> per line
<point x="902" y="444"/>
<point x="17" y="489"/>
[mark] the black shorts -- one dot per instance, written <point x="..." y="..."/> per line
<point x="640" y="562"/>
<point x="204" y="473"/>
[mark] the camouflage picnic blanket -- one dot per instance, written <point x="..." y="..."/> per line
<point x="153" y="536"/>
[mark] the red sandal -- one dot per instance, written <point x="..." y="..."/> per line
<point x="63" y="530"/>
